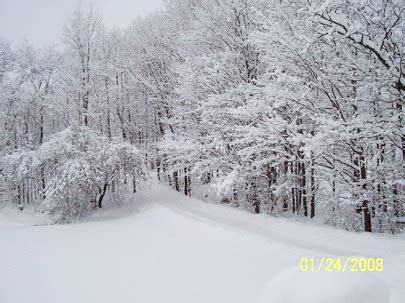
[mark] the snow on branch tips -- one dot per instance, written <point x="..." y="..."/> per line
<point x="79" y="166"/>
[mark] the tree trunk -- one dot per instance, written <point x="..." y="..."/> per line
<point x="133" y="184"/>
<point x="102" y="194"/>
<point x="304" y="189"/>
<point x="176" y="180"/>
<point x="185" y="182"/>
<point x="365" y="204"/>
<point x="312" y="190"/>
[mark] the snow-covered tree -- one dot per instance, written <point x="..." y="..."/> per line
<point x="81" y="165"/>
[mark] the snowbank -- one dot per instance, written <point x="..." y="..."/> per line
<point x="11" y="216"/>
<point x="293" y="286"/>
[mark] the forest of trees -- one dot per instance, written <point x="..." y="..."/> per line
<point x="289" y="108"/>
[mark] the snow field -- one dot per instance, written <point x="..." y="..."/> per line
<point x="293" y="286"/>
<point x="165" y="247"/>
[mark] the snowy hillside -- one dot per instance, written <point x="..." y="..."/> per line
<point x="166" y="247"/>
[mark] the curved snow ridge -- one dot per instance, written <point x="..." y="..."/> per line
<point x="312" y="237"/>
<point x="139" y="203"/>
<point x="321" y="287"/>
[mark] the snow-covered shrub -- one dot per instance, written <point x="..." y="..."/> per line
<point x="80" y="165"/>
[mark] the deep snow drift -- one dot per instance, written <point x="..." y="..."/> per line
<point x="165" y="247"/>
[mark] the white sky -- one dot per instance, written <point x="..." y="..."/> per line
<point x="41" y="21"/>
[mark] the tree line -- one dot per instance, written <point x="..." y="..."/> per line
<point x="290" y="108"/>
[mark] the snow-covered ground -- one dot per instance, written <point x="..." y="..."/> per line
<point x="165" y="247"/>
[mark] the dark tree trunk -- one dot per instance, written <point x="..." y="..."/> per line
<point x="252" y="197"/>
<point x="297" y="191"/>
<point x="185" y="182"/>
<point x="158" y="163"/>
<point x="102" y="194"/>
<point x="86" y="108"/>
<point x="41" y="140"/>
<point x="367" y="216"/>
<point x="292" y="188"/>
<point x="285" y="172"/>
<point x="303" y="189"/>
<point x="133" y="184"/>
<point x="176" y="180"/>
<point x="43" y="182"/>
<point x="19" y="202"/>
<point x="235" y="193"/>
<point x="365" y="204"/>
<point x="312" y="191"/>
<point x="189" y="184"/>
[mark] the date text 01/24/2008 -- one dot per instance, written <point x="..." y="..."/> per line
<point x="352" y="264"/>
